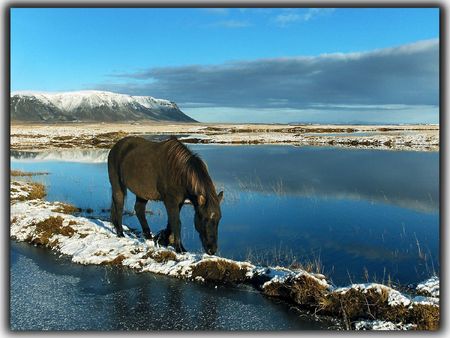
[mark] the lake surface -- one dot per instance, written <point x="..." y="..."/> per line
<point x="359" y="214"/>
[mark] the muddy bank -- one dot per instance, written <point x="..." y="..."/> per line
<point x="77" y="135"/>
<point x="93" y="241"/>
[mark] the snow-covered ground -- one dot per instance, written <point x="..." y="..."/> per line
<point x="430" y="287"/>
<point x="381" y="325"/>
<point x="89" y="241"/>
<point x="85" y="135"/>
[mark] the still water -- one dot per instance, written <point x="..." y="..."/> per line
<point x="358" y="214"/>
<point x="51" y="293"/>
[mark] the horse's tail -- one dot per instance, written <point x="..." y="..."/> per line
<point x="118" y="189"/>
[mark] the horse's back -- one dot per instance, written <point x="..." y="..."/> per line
<point x="124" y="146"/>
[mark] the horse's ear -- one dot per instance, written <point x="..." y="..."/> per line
<point x="220" y="196"/>
<point x="201" y="200"/>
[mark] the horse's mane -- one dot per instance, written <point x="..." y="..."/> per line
<point x="187" y="168"/>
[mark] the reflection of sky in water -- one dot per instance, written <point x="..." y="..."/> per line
<point x="354" y="209"/>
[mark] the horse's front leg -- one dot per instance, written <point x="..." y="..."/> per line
<point x="174" y="226"/>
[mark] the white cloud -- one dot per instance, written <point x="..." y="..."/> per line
<point x="383" y="84"/>
<point x="219" y="11"/>
<point x="292" y="16"/>
<point x="231" y="24"/>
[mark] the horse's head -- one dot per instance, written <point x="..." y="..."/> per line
<point x="207" y="217"/>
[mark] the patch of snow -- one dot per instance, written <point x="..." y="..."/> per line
<point x="95" y="243"/>
<point x="422" y="300"/>
<point x="69" y="101"/>
<point x="380" y="325"/>
<point x="395" y="297"/>
<point x="363" y="287"/>
<point x="429" y="287"/>
<point x="281" y="275"/>
<point x="19" y="189"/>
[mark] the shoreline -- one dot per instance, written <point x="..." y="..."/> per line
<point x="31" y="136"/>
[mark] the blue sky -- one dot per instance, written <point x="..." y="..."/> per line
<point x="211" y="61"/>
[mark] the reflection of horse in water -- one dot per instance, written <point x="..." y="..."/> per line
<point x="164" y="171"/>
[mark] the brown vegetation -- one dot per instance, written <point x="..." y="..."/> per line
<point x="116" y="261"/>
<point x="220" y="270"/>
<point x="49" y="227"/>
<point x="37" y="191"/>
<point x="425" y="316"/>
<point x="352" y="305"/>
<point x="34" y="191"/>
<point x="66" y="208"/>
<point x="106" y="140"/>
<point x="23" y="173"/>
<point x="63" y="138"/>
<point x="160" y="256"/>
<point x="28" y="135"/>
<point x="301" y="289"/>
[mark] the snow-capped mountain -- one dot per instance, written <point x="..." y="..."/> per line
<point x="92" y="105"/>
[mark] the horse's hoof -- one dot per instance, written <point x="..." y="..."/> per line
<point x="180" y="249"/>
<point x="120" y="234"/>
<point x="160" y="239"/>
<point x="148" y="235"/>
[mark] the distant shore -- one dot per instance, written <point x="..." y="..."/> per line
<point x="418" y="137"/>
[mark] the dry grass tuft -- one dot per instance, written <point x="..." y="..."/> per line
<point x="301" y="289"/>
<point x="63" y="138"/>
<point x="355" y="304"/>
<point x="352" y="305"/>
<point x="105" y="140"/>
<point x="23" y="173"/>
<point x="66" y="208"/>
<point x="37" y="191"/>
<point x="48" y="228"/>
<point x="220" y="270"/>
<point x="116" y="261"/>
<point x="163" y="256"/>
<point x="160" y="256"/>
<point x="427" y="317"/>
<point x="114" y="135"/>
<point x="34" y="191"/>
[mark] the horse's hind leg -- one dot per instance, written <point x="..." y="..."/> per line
<point x="118" y="193"/>
<point x="139" y="207"/>
<point x="118" y="197"/>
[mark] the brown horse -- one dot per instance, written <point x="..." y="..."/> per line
<point x="164" y="171"/>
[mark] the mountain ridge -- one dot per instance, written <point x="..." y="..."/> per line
<point x="91" y="105"/>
